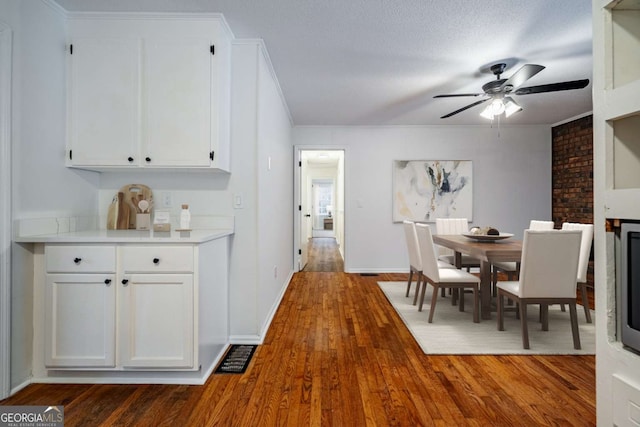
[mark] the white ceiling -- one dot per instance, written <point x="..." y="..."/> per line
<point x="380" y="62"/>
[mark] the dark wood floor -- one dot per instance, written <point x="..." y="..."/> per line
<point x="337" y="354"/>
<point x="324" y="255"/>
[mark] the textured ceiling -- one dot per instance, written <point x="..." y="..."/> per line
<point x="380" y="62"/>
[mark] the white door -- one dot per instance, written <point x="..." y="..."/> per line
<point x="104" y="102"/>
<point x="305" y="219"/>
<point x="177" y="130"/>
<point x="156" y="321"/>
<point x="80" y="320"/>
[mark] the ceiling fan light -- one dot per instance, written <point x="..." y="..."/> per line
<point x="511" y="107"/>
<point x="497" y="106"/>
<point x="487" y="113"/>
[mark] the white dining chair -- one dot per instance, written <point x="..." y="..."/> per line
<point x="443" y="277"/>
<point x="583" y="262"/>
<point x="415" y="258"/>
<point x="511" y="268"/>
<point x="548" y="272"/>
<point x="454" y="226"/>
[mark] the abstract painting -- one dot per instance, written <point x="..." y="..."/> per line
<point x="424" y="190"/>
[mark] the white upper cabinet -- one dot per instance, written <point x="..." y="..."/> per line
<point x="616" y="105"/>
<point x="104" y="102"/>
<point x="177" y="103"/>
<point x="149" y="92"/>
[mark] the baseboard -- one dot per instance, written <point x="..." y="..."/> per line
<point x="19" y="387"/>
<point x="377" y="270"/>
<point x="246" y="339"/>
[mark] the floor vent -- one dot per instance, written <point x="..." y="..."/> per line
<point x="236" y="360"/>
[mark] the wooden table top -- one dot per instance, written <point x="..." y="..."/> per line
<point x="499" y="250"/>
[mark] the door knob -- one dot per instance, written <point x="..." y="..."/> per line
<point x="125" y="281"/>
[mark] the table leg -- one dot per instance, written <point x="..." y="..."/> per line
<point x="485" y="289"/>
<point x="457" y="261"/>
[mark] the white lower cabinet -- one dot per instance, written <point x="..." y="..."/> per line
<point x="156" y="321"/>
<point x="80" y="320"/>
<point x="140" y="313"/>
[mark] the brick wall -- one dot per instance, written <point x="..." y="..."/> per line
<point x="572" y="174"/>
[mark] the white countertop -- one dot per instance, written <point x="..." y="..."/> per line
<point x="128" y="236"/>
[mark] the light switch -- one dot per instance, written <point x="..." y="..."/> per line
<point x="237" y="201"/>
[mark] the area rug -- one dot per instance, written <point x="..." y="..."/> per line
<point x="236" y="360"/>
<point x="453" y="332"/>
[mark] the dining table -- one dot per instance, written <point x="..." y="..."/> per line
<point x="487" y="252"/>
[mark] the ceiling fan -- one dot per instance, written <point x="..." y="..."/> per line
<point x="499" y="90"/>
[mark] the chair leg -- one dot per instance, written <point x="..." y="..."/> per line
<point x="494" y="281"/>
<point x="574" y="325"/>
<point x="523" y="325"/>
<point x="409" y="282"/>
<point x="476" y="304"/>
<point x="419" y="279"/>
<point x="434" y="299"/>
<point x="500" y="312"/>
<point x="544" y="316"/>
<point x="585" y="302"/>
<point x="422" y="292"/>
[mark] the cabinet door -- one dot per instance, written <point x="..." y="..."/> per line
<point x="80" y="320"/>
<point x="104" y="102"/>
<point x="156" y="325"/>
<point x="177" y="125"/>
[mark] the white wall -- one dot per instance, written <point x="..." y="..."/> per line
<point x="511" y="180"/>
<point x="41" y="185"/>
<point x="275" y="192"/>
<point x="264" y="238"/>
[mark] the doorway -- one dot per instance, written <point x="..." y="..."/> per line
<point x="322" y="199"/>
<point x="320" y="225"/>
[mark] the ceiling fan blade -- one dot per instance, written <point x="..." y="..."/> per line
<point x="465" y="108"/>
<point x="553" y="87"/>
<point x="522" y="75"/>
<point x="453" y="95"/>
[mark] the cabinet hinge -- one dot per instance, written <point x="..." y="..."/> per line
<point x="71" y="49"/>
<point x="300" y="208"/>
<point x="213" y="50"/>
<point x="70" y="154"/>
<point x="211" y="155"/>
<point x="300" y="163"/>
<point x="299" y="251"/>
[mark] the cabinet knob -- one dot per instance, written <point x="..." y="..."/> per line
<point x="156" y="260"/>
<point x="148" y="159"/>
<point x="125" y="281"/>
<point x="77" y="260"/>
<point x="107" y="281"/>
<point x="130" y="159"/>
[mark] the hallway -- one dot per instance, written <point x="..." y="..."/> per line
<point x="324" y="255"/>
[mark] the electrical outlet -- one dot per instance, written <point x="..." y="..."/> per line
<point x="166" y="199"/>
